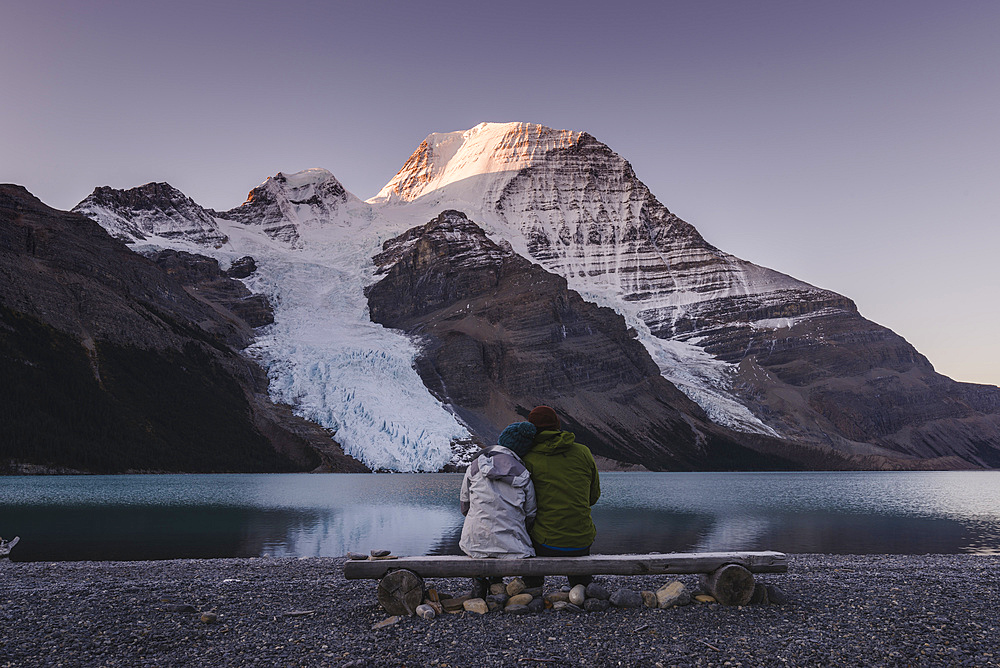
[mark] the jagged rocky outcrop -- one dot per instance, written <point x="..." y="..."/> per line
<point x="110" y="365"/>
<point x="151" y="210"/>
<point x="205" y="281"/>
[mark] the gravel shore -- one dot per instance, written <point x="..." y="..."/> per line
<point x="872" y="610"/>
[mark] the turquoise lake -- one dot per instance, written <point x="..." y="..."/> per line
<point x="203" y="516"/>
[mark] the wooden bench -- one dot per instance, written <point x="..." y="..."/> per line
<point x="728" y="574"/>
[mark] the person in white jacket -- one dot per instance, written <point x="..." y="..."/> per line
<point x="498" y="500"/>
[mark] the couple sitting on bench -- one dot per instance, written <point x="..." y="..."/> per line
<point x="530" y="496"/>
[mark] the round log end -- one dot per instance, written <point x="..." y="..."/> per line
<point x="729" y="585"/>
<point x="400" y="592"/>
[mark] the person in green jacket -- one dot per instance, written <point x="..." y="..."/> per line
<point x="566" y="486"/>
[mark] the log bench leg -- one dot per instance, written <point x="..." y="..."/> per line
<point x="729" y="585"/>
<point x="400" y="592"/>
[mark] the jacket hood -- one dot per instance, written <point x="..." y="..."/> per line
<point x="499" y="463"/>
<point x="553" y="442"/>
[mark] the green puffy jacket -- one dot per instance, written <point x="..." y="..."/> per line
<point x="566" y="486"/>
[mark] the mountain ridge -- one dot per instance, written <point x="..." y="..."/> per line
<point x="758" y="351"/>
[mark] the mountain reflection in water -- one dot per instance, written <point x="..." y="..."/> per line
<point x="293" y="515"/>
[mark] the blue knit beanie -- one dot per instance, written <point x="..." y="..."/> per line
<point x="518" y="437"/>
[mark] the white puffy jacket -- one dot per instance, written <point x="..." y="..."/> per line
<point x="498" y="497"/>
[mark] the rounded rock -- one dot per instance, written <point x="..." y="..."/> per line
<point x="426" y="612"/>
<point x="627" y="598"/>
<point x="520" y="599"/>
<point x="515" y="587"/>
<point x="648" y="599"/>
<point x="577" y="595"/>
<point x="596" y="604"/>
<point x="516" y="610"/>
<point x="595" y="590"/>
<point x="476" y="605"/>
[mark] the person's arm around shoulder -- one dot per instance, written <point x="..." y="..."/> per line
<point x="530" y="504"/>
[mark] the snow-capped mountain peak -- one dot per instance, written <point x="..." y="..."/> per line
<point x="490" y="153"/>
<point x="285" y="203"/>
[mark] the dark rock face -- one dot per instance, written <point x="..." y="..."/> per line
<point x="502" y="335"/>
<point x="205" y="281"/>
<point x="244" y="267"/>
<point x="110" y="365"/>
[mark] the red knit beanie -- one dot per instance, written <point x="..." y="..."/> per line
<point x="544" y="418"/>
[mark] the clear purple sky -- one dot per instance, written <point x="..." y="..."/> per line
<point x="854" y="145"/>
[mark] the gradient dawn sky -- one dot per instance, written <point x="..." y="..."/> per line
<point x="853" y="145"/>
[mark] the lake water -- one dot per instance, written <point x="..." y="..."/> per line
<point x="200" y="516"/>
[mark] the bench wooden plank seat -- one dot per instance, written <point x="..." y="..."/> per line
<point x="597" y="564"/>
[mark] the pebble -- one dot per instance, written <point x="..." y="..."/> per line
<point x="515" y="587"/>
<point x="534" y="591"/>
<point x="671" y="594"/>
<point x="627" y="598"/>
<point x="498" y="588"/>
<point x="557" y="596"/>
<point x="516" y="610"/>
<point x="426" y="611"/>
<point x="209" y="618"/>
<point x="381" y="553"/>
<point x="388" y="621"/>
<point x="356" y="556"/>
<point x="595" y="590"/>
<point x="476" y="605"/>
<point x="577" y="594"/>
<point x="705" y="598"/>
<point x="500" y="599"/>
<point x="536" y="605"/>
<point x="649" y="599"/>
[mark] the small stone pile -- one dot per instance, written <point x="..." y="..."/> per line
<point x="515" y="598"/>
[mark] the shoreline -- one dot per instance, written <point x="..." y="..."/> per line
<point x="846" y="610"/>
